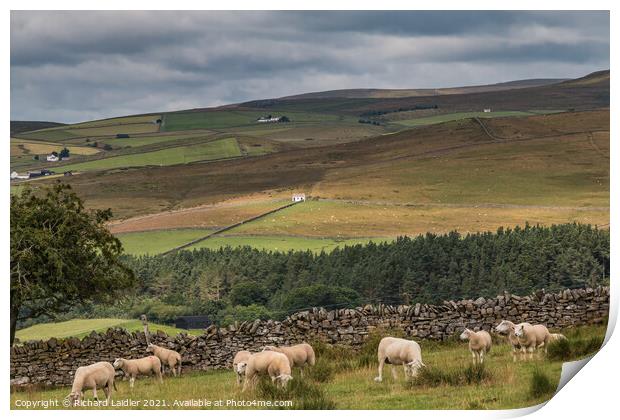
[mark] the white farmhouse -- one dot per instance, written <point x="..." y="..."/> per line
<point x="299" y="197"/>
<point x="269" y="119"/>
<point x="486" y="110"/>
<point x="53" y="157"/>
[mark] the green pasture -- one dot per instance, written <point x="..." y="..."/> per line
<point x="344" y="379"/>
<point x="158" y="241"/>
<point x="82" y="327"/>
<point x="217" y="149"/>
<point x="436" y="119"/>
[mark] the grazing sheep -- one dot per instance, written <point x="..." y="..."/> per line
<point x="398" y="351"/>
<point x="479" y="343"/>
<point x="144" y="366"/>
<point x="240" y="357"/>
<point x="100" y="374"/>
<point x="168" y="357"/>
<point x="508" y="328"/>
<point x="557" y="337"/>
<point x="299" y="355"/>
<point x="532" y="337"/>
<point x="273" y="363"/>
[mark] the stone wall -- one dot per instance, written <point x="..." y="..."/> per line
<point x="53" y="362"/>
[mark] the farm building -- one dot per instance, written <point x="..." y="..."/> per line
<point x="37" y="174"/>
<point x="15" y="175"/>
<point x="192" y="322"/>
<point x="299" y="197"/>
<point x="486" y="110"/>
<point x="53" y="157"/>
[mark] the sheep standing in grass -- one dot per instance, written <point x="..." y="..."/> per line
<point x="508" y="328"/>
<point x="239" y="364"/>
<point x="532" y="337"/>
<point x="299" y="355"/>
<point x="97" y="375"/>
<point x="167" y="357"/>
<point x="144" y="366"/>
<point x="272" y="363"/>
<point x="479" y="343"/>
<point x="398" y="351"/>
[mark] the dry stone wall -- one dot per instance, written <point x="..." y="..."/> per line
<point x="54" y="361"/>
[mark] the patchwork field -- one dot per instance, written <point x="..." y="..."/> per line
<point x="240" y="118"/>
<point x="217" y="149"/>
<point x="82" y="327"/>
<point x="158" y="241"/>
<point x="459" y="116"/>
<point x="344" y="380"/>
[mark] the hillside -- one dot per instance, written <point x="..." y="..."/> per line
<point x="402" y="93"/>
<point x="24" y="126"/>
<point x="375" y="168"/>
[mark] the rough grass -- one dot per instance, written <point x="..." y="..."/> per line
<point x="344" y="379"/>
<point x="217" y="149"/>
<point x="459" y="116"/>
<point x="82" y="327"/>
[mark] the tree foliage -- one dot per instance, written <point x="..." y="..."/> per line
<point x="61" y="254"/>
<point x="428" y="268"/>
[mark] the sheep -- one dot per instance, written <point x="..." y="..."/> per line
<point x="299" y="355"/>
<point x="532" y="337"/>
<point x="557" y="337"/>
<point x="168" y="357"/>
<point x="508" y="328"/>
<point x="100" y="374"/>
<point x="398" y="351"/>
<point x="273" y="363"/>
<point x="479" y="343"/>
<point x="144" y="366"/>
<point x="239" y="368"/>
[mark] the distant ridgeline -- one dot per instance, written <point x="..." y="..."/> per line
<point x="245" y="283"/>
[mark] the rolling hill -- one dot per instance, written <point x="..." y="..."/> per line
<point x="375" y="165"/>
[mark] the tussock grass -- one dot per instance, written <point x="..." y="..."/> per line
<point x="541" y="385"/>
<point x="306" y="395"/>
<point x="574" y="348"/>
<point x="436" y="376"/>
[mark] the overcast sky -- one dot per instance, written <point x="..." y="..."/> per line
<point x="77" y="66"/>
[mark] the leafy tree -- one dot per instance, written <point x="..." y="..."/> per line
<point x="61" y="254"/>
<point x="64" y="153"/>
<point x="247" y="293"/>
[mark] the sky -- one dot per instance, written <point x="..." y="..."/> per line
<point x="69" y="66"/>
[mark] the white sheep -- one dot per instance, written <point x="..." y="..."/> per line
<point x="398" y="351"/>
<point x="144" y="366"/>
<point x="239" y="364"/>
<point x="167" y="357"/>
<point x="100" y="374"/>
<point x="508" y="328"/>
<point x="298" y="355"/>
<point x="557" y="337"/>
<point x="272" y="363"/>
<point x="479" y="343"/>
<point x="532" y="337"/>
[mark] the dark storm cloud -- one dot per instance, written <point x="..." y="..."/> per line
<point x="71" y="66"/>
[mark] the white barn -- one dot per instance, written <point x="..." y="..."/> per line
<point x="298" y="197"/>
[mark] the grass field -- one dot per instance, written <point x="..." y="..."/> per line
<point x="158" y="241"/>
<point x="459" y="116"/>
<point x="147" y="140"/>
<point x="229" y="119"/>
<point x="25" y="147"/>
<point x="217" y="149"/>
<point x="343" y="379"/>
<point x="82" y="327"/>
<point x="362" y="220"/>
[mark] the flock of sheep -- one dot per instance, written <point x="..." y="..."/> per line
<point x="278" y="362"/>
